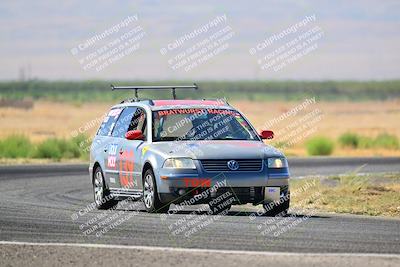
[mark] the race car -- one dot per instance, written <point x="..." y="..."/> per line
<point x="185" y="152"/>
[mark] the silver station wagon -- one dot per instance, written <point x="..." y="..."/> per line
<point x="185" y="152"/>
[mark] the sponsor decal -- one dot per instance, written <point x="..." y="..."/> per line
<point x="197" y="182"/>
<point x="113" y="149"/>
<point x="111" y="161"/>
<point x="113" y="113"/>
<point x="197" y="110"/>
<point x="240" y="120"/>
<point x="144" y="150"/>
<point x="112" y="158"/>
<point x="126" y="166"/>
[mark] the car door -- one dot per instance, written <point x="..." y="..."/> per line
<point x="130" y="154"/>
<point x="116" y="151"/>
<point x="107" y="146"/>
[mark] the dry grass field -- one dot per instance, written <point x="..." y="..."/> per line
<point x="331" y="119"/>
<point x="379" y="193"/>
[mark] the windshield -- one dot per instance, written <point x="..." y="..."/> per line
<point x="200" y="124"/>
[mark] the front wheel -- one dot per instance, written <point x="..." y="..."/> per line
<point x="151" y="200"/>
<point x="102" y="197"/>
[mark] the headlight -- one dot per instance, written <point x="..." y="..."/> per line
<point x="277" y="163"/>
<point x="179" y="163"/>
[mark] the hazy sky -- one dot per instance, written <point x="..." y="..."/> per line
<point x="352" y="39"/>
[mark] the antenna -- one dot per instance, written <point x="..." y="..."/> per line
<point x="155" y="87"/>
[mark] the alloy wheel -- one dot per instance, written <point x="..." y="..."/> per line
<point x="98" y="188"/>
<point x="148" y="191"/>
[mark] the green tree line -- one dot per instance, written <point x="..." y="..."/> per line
<point x="233" y="90"/>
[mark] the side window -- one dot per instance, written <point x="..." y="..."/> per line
<point x="109" y="122"/>
<point x="122" y="124"/>
<point x="139" y="122"/>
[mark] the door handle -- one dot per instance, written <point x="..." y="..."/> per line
<point x="105" y="149"/>
<point x="121" y="151"/>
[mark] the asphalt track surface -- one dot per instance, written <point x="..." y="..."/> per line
<point x="52" y="205"/>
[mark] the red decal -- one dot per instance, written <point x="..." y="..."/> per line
<point x="197" y="182"/>
<point x="111" y="161"/>
<point x="222" y="111"/>
<point x="188" y="102"/>
<point x="197" y="110"/>
<point x="126" y="169"/>
<point x="180" y="111"/>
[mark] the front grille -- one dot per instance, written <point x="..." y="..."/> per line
<point x="221" y="165"/>
<point x="243" y="194"/>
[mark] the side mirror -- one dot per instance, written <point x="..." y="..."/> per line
<point x="134" y="135"/>
<point x="266" y="134"/>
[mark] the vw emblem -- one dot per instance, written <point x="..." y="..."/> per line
<point x="233" y="165"/>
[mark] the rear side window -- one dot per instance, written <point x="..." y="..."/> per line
<point x="109" y="122"/>
<point x="121" y="126"/>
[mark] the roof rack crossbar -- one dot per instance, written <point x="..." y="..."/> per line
<point x="157" y="87"/>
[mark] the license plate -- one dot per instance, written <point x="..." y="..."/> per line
<point x="272" y="193"/>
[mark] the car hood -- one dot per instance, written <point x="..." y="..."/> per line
<point x="216" y="149"/>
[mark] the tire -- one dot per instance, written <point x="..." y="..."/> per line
<point x="151" y="200"/>
<point x="102" y="197"/>
<point x="281" y="209"/>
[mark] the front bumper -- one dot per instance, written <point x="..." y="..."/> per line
<point x="176" y="185"/>
<point x="241" y="195"/>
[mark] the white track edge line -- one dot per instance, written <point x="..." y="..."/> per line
<point x="198" y="250"/>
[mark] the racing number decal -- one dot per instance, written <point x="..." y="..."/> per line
<point x="126" y="169"/>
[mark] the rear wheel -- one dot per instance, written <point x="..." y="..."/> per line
<point x="102" y="196"/>
<point x="151" y="200"/>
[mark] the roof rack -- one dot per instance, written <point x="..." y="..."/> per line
<point x="157" y="87"/>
